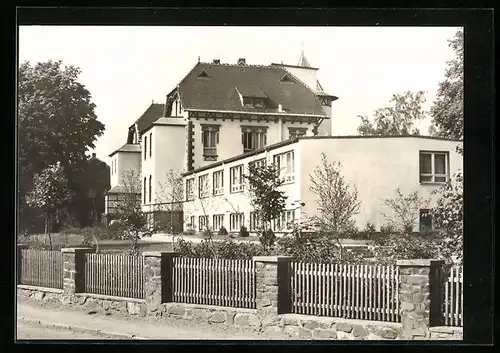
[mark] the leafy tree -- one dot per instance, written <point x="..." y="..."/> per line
<point x="171" y="195"/>
<point x="398" y="118"/>
<point x="405" y="210"/>
<point x="49" y="195"/>
<point x="56" y="123"/>
<point x="130" y="218"/>
<point x="337" y="203"/>
<point x="448" y="218"/>
<point x="267" y="201"/>
<point x="447" y="111"/>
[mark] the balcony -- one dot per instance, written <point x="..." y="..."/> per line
<point x="210" y="153"/>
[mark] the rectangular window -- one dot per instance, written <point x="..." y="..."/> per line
<point x="285" y="221"/>
<point x="433" y="167"/>
<point x="255" y="221"/>
<point x="259" y="163"/>
<point x="285" y="163"/>
<point x="297" y="131"/>
<point x="253" y="138"/>
<point x="150" y="186"/>
<point x="235" y="221"/>
<point x="210" y="139"/>
<point x="218" y="221"/>
<point x="150" y="144"/>
<point x="191" y="220"/>
<point x="145" y="146"/>
<point x="236" y="174"/>
<point x="190" y="189"/>
<point x="218" y="182"/>
<point x="144" y="191"/>
<point x="425" y="220"/>
<point x="203" y="186"/>
<point x="202" y="223"/>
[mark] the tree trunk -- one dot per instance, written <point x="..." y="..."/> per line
<point x="46" y="230"/>
<point x="50" y="236"/>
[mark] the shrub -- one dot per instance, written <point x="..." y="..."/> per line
<point x="244" y="232"/>
<point x="189" y="232"/>
<point x="267" y="238"/>
<point x="223" y="231"/>
<point x="224" y="249"/>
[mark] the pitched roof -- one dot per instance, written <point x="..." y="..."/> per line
<point x="153" y="113"/>
<point x="220" y="90"/>
<point x="303" y="61"/>
<point x="128" y="147"/>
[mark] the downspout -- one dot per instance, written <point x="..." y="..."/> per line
<point x="280" y="124"/>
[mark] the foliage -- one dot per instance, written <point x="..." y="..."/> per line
<point x="267" y="238"/>
<point x="398" y="118"/>
<point x="225" y="249"/>
<point x="171" y="195"/>
<point x="223" y="231"/>
<point x="405" y="210"/>
<point x="244" y="232"/>
<point x="131" y="220"/>
<point x="268" y="202"/>
<point x="50" y="194"/>
<point x="448" y="218"/>
<point x="447" y="111"/>
<point x="56" y="123"/>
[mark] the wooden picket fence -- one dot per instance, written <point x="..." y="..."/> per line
<point x="41" y="268"/>
<point x="366" y="292"/>
<point x="114" y="274"/>
<point x="219" y="282"/>
<point x="453" y="297"/>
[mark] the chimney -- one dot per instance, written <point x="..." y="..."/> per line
<point x="241" y="61"/>
<point x="216" y="61"/>
<point x="280" y="108"/>
<point x="93" y="155"/>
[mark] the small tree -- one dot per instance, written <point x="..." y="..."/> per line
<point x="337" y="203"/>
<point x="267" y="201"/>
<point x="171" y="194"/>
<point x="50" y="194"/>
<point x="130" y="217"/>
<point x="405" y="209"/>
<point x="448" y="218"/>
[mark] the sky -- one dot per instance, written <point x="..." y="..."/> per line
<point x="126" y="68"/>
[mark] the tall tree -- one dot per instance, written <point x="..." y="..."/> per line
<point x="447" y="111"/>
<point x="56" y="121"/>
<point x="397" y="118"/>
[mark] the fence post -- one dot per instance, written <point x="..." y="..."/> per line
<point x="158" y="283"/>
<point x="420" y="297"/>
<point x="74" y="270"/>
<point x="273" y="285"/>
<point x="19" y="260"/>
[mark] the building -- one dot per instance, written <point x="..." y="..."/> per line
<point x="221" y="116"/>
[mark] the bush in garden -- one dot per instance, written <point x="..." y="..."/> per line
<point x="223" y="231"/>
<point x="244" y="232"/>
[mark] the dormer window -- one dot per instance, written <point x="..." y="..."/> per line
<point x="286" y="79"/>
<point x="203" y="74"/>
<point x="252" y="102"/>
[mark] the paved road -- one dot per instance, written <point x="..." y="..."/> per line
<point x="28" y="331"/>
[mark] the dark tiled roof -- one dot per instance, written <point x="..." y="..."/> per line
<point x="153" y="113"/>
<point x="128" y="147"/>
<point x="220" y="90"/>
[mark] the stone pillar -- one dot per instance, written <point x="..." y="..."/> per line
<point x="19" y="261"/>
<point x="74" y="270"/>
<point x="273" y="285"/>
<point x="420" y="297"/>
<point x="158" y="284"/>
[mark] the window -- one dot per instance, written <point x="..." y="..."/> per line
<point x="235" y="221"/>
<point x="297" y="131"/>
<point x="259" y="163"/>
<point x="218" y="182"/>
<point x="286" y="79"/>
<point x="202" y="223"/>
<point x="145" y="146"/>
<point x="150" y="179"/>
<point x="425" y="220"/>
<point x="253" y="138"/>
<point x="255" y="221"/>
<point x="189" y="189"/>
<point x="191" y="220"/>
<point x="236" y="174"/>
<point x="284" y="221"/>
<point x="203" y="186"/>
<point x="433" y="167"/>
<point x="254" y="102"/>
<point x="210" y="139"/>
<point x="285" y="163"/>
<point x="218" y="221"/>
<point x="150" y="144"/>
<point x="144" y="191"/>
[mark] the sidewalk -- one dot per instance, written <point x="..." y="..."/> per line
<point x="134" y="329"/>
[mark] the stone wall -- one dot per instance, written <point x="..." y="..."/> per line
<point x="446" y="333"/>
